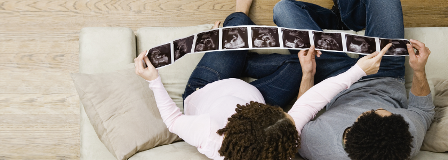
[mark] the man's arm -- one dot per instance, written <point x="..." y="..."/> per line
<point x="308" y="63"/>
<point x="306" y="84"/>
<point x="420" y="100"/>
<point x="420" y="86"/>
<point x="417" y="61"/>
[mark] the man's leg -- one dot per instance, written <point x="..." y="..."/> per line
<point x="302" y="15"/>
<point x="278" y="76"/>
<point x="219" y="65"/>
<point x="380" y="18"/>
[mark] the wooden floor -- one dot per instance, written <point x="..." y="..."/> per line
<point x="39" y="107"/>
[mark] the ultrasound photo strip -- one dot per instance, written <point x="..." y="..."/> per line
<point x="271" y="37"/>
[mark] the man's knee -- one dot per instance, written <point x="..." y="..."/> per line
<point x="237" y="18"/>
<point x="285" y="7"/>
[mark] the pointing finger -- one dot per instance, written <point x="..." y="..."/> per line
<point x="383" y="51"/>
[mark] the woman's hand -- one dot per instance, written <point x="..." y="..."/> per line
<point x="371" y="63"/>
<point x="308" y="60"/>
<point x="149" y="73"/>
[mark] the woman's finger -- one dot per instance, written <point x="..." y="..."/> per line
<point x="140" y="64"/>
<point x="382" y="52"/>
<point x="148" y="63"/>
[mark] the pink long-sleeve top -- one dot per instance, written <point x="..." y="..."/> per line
<point x="207" y="109"/>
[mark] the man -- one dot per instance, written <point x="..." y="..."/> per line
<point x="373" y="119"/>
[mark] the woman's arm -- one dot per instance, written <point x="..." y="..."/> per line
<point x="193" y="129"/>
<point x="307" y="106"/>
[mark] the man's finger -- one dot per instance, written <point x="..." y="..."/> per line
<point x="311" y="51"/>
<point x="302" y="53"/>
<point x="410" y="51"/>
<point x="417" y="44"/>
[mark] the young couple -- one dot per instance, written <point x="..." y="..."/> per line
<point x="368" y="115"/>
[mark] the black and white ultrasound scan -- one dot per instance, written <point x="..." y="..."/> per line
<point x="182" y="47"/>
<point x="398" y="47"/>
<point x="360" y="44"/>
<point x="234" y="38"/>
<point x="295" y="38"/>
<point x="160" y="56"/>
<point x="265" y="37"/>
<point x="328" y="41"/>
<point x="207" y="41"/>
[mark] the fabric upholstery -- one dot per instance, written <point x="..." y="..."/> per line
<point x="101" y="49"/>
<point x="436" y="139"/>
<point x="105" y="49"/>
<point x="123" y="112"/>
<point x="175" y="77"/>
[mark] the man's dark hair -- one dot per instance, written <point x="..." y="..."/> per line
<point x="379" y="138"/>
<point x="259" y="132"/>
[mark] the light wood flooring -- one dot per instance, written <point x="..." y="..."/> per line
<point x="39" y="107"/>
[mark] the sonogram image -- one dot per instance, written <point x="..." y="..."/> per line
<point x="160" y="56"/>
<point x="295" y="38"/>
<point x="234" y="38"/>
<point x="360" y="44"/>
<point x="263" y="37"/>
<point x="398" y="47"/>
<point x="328" y="41"/>
<point x="182" y="47"/>
<point x="207" y="41"/>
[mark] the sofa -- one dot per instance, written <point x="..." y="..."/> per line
<point x="110" y="49"/>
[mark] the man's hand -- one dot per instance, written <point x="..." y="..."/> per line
<point x="149" y="73"/>
<point x="371" y="63"/>
<point x="308" y="60"/>
<point x="417" y="60"/>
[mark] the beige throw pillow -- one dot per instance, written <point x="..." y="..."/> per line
<point x="436" y="139"/>
<point x="123" y="112"/>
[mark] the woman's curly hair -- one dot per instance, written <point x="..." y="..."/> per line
<point x="259" y="132"/>
<point x="379" y="138"/>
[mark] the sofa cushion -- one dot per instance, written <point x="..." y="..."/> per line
<point x="123" y="112"/>
<point x="177" y="150"/>
<point x="105" y="49"/>
<point x="101" y="49"/>
<point x="436" y="138"/>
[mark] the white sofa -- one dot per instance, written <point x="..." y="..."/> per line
<point x="112" y="48"/>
